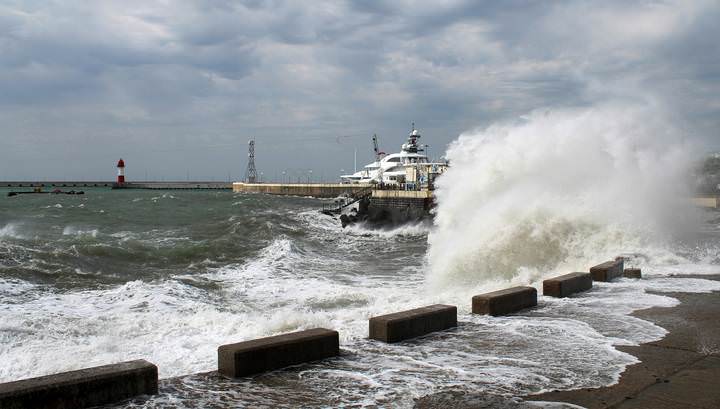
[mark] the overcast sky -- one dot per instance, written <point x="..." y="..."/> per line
<point x="177" y="88"/>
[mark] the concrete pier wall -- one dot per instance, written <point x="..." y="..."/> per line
<point x="402" y="194"/>
<point x="326" y="190"/>
<point x="83" y="388"/>
<point x="388" y="208"/>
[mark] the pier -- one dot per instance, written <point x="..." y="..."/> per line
<point x="174" y="185"/>
<point x="57" y="183"/>
<point x="322" y="190"/>
<point x="188" y="185"/>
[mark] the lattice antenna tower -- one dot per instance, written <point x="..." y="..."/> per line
<point x="251" y="172"/>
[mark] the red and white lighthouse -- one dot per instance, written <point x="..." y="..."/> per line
<point x="121" y="172"/>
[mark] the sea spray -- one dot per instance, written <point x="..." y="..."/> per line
<point x="555" y="192"/>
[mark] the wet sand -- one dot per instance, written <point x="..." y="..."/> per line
<point x="681" y="370"/>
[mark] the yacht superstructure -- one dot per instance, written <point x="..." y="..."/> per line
<point x="394" y="168"/>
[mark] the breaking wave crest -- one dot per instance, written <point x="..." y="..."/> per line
<point x="556" y="192"/>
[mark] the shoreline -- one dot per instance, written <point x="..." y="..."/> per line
<point x="681" y="370"/>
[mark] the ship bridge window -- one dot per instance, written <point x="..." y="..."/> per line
<point x="396" y="159"/>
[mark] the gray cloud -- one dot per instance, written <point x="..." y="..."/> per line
<point x="180" y="88"/>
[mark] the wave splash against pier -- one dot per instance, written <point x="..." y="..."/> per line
<point x="557" y="191"/>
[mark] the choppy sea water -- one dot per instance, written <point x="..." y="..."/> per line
<point x="169" y="276"/>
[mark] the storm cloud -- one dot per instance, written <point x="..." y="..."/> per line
<point x="178" y="88"/>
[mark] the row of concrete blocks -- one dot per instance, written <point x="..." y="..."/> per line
<point x="117" y="382"/>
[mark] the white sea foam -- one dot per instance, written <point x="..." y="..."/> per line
<point x="163" y="196"/>
<point x="13" y="287"/>
<point x="176" y="324"/>
<point x="416" y="229"/>
<point x="125" y="235"/>
<point x="10" y="230"/>
<point x="77" y="231"/>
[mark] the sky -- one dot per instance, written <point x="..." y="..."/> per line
<point x="177" y="88"/>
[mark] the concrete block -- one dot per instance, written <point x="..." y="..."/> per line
<point x="83" y="388"/>
<point x="413" y="323"/>
<point x="567" y="284"/>
<point x="267" y="354"/>
<point x="632" y="273"/>
<point x="504" y="301"/>
<point x="608" y="270"/>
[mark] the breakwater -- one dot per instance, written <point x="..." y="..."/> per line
<point x="188" y="185"/>
<point x="174" y="185"/>
<point x="399" y="206"/>
<point x="56" y="183"/>
<point x="321" y="190"/>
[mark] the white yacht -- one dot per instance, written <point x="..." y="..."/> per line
<point x="393" y="168"/>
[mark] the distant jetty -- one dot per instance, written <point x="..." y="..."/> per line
<point x="57" y="183"/>
<point x="189" y="185"/>
<point x="174" y="185"/>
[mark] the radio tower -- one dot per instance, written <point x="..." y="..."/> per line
<point x="251" y="172"/>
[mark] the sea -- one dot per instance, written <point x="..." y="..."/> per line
<point x="168" y="276"/>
